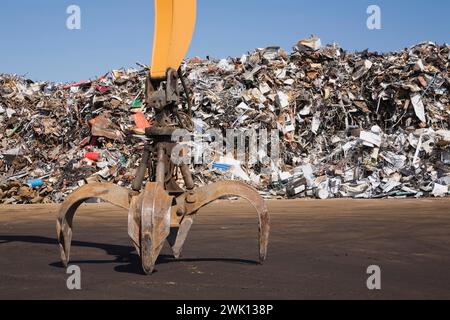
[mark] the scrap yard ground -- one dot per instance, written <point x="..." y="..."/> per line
<point x="318" y="249"/>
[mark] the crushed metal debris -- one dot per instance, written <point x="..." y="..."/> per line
<point x="362" y="125"/>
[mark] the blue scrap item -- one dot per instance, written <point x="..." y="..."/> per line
<point x="35" y="183"/>
<point x="221" y="166"/>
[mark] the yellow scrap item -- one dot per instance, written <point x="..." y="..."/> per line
<point x="174" y="27"/>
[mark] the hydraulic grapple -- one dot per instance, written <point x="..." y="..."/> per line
<point x="162" y="209"/>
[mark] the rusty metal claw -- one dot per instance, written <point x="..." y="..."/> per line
<point x="178" y="236"/>
<point x="149" y="223"/>
<point x="154" y="216"/>
<point x="163" y="211"/>
<point x="192" y="201"/>
<point x="107" y="192"/>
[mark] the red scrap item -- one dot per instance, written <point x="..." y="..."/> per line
<point x="75" y="84"/>
<point x="94" y="156"/>
<point x="102" y="89"/>
<point x="141" y="121"/>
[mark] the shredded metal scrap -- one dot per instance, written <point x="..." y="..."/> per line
<point x="362" y="125"/>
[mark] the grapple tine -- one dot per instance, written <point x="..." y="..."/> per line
<point x="178" y="236"/>
<point x="193" y="201"/>
<point x="107" y="192"/>
<point x="134" y="222"/>
<point x="154" y="211"/>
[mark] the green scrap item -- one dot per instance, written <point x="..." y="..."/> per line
<point x="136" y="103"/>
<point x="11" y="132"/>
<point x="123" y="161"/>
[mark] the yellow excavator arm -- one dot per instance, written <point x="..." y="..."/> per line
<point x="174" y="27"/>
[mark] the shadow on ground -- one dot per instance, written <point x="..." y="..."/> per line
<point x="124" y="255"/>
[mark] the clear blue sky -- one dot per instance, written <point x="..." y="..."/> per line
<point x="34" y="39"/>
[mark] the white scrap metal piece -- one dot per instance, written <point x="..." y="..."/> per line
<point x="280" y="74"/>
<point x="285" y="176"/>
<point x="18" y="151"/>
<point x="419" y="65"/>
<point x="416" y="160"/>
<point x="305" y="111"/>
<point x="288" y="127"/>
<point x="299" y="189"/>
<point x="313" y="43"/>
<point x="282" y="100"/>
<point x="308" y="173"/>
<point x="316" y="123"/>
<point x="225" y="65"/>
<point x="370" y="139"/>
<point x="362" y="69"/>
<point x="439" y="190"/>
<point x="358" y="190"/>
<point x="243" y="106"/>
<point x="10" y="112"/>
<point x="409" y="190"/>
<point x="391" y="185"/>
<point x="104" y="173"/>
<point x="258" y="95"/>
<point x="323" y="189"/>
<point x="397" y="161"/>
<point x="289" y="82"/>
<point x="264" y="88"/>
<point x="419" y="108"/>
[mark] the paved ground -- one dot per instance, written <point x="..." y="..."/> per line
<point x="318" y="249"/>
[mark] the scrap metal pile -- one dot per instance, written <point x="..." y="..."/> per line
<point x="363" y="125"/>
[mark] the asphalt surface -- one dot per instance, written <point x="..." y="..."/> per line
<point x="318" y="250"/>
